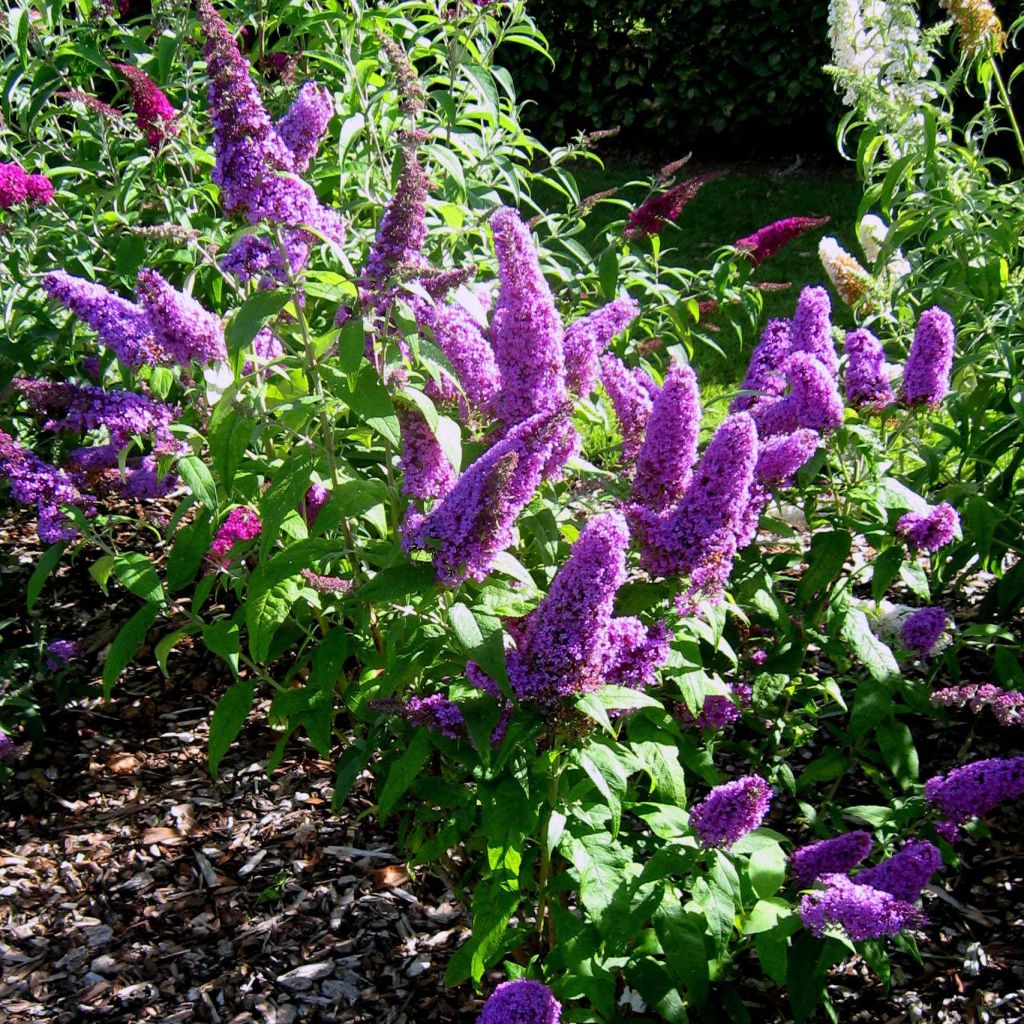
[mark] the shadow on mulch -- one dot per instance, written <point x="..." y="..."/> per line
<point x="135" y="888"/>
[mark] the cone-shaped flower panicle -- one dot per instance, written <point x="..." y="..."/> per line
<point x="905" y="873"/>
<point x="587" y="338"/>
<point x="829" y="856"/>
<point x="767" y="241"/>
<point x="16" y="186"/>
<point x="812" y="328"/>
<point x="60" y="652"/>
<point x="700" y="536"/>
<point x="872" y="233"/>
<point x="922" y="631"/>
<point x="813" y="400"/>
<point x="427" y="472"/>
<point x="81" y="407"/>
<point x="1006" y="705"/>
<point x="436" y="713"/>
<point x="521" y="1002"/>
<point x="241" y="525"/>
<point x="632" y="400"/>
<point x="122" y="326"/>
<point x="766" y="371"/>
<point x="780" y="457"/>
<point x="731" y="810"/>
<point x="474" y="523"/>
<point x="859" y="911"/>
<point x="563" y="645"/>
<point x="932" y="530"/>
<point x="313" y="501"/>
<point x="867" y="376"/>
<point x="718" y="711"/>
<point x="526" y="330"/>
<point x="665" y="463"/>
<point x="458" y="335"/>
<point x="260" y="259"/>
<point x="153" y="111"/>
<point x="401" y="232"/>
<point x="930" y="361"/>
<point x="305" y="123"/>
<point x="979" y="25"/>
<point x="975" y="789"/>
<point x="657" y="211"/>
<point x="850" y="280"/>
<point x="34" y="482"/>
<point x="182" y="328"/>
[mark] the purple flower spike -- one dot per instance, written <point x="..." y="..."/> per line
<point x="767" y="241"/>
<point x="436" y="713"/>
<point x="587" y="338"/>
<point x="813" y="401"/>
<point x="121" y="325"/>
<point x="316" y="497"/>
<point x="974" y="789"/>
<point x="860" y="911"/>
<point x="562" y="646"/>
<point x="657" y="211"/>
<point x="60" y="652"/>
<point x="867" y="379"/>
<point x="427" y="471"/>
<point x="305" y="123"/>
<point x="526" y="330"/>
<point x="242" y="524"/>
<point x="400" y="234"/>
<point x="699" y="537"/>
<point x="922" y="631"/>
<point x="181" y="326"/>
<point x="931" y="531"/>
<point x="474" y="523"/>
<point x="766" y="372"/>
<point x="780" y="457"/>
<point x="1006" y="705"/>
<point x="34" y="482"/>
<point x="930" y="361"/>
<point x="665" y="463"/>
<point x="812" y="328"/>
<point x="521" y="1002"/>
<point x="153" y="111"/>
<point x="458" y="335"/>
<point x="906" y="873"/>
<point x="830" y="856"/>
<point x="631" y="399"/>
<point x="731" y="810"/>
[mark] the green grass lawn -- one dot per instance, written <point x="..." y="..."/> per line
<point x="732" y="207"/>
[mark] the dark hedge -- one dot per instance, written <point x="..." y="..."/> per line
<point x="727" y="76"/>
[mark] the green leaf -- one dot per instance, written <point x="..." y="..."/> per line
<point x="228" y="437"/>
<point x="768" y="687"/>
<point x="289" y="487"/>
<point x="767" y="870"/>
<point x="47" y="563"/>
<point x="126" y="643"/>
<point x="221" y="638"/>
<point x="165" y="645"/>
<point x="608" y="272"/>
<point x="352" y="498"/>
<point x="268" y="600"/>
<point x="872" y="703"/>
<point x="351" y="346"/>
<point x="246" y="323"/>
<point x="830" y="765"/>
<point x="399" y="581"/>
<point x="684" y="939"/>
<point x="370" y="401"/>
<point x="403" y="771"/>
<point x="101" y="569"/>
<point x="191" y="544"/>
<point x="885" y="569"/>
<point x="328" y="659"/>
<point x="766" y="914"/>
<point x="868" y="649"/>
<point x="228" y="718"/>
<point x="136" y="572"/>
<point x="350" y="764"/>
<point x="196" y="474"/>
<point x="607" y="773"/>
<point x="825" y="561"/>
<point x="492" y="909"/>
<point x="897" y="747"/>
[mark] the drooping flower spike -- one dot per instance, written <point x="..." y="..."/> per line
<point x="654" y="213"/>
<point x="153" y="111"/>
<point x="767" y="241"/>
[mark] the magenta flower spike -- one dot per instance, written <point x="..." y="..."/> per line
<point x="767" y="241"/>
<point x="153" y="111"/>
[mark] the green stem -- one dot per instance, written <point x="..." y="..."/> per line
<point x="545" y="923"/>
<point x="1005" y="97"/>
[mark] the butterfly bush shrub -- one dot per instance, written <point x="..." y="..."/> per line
<point x="437" y="483"/>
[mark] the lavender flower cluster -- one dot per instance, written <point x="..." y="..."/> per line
<point x="974" y="789"/>
<point x="163" y="325"/>
<point x="731" y="810"/>
<point x="521" y="1002"/>
<point x="1006" y="705"/>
